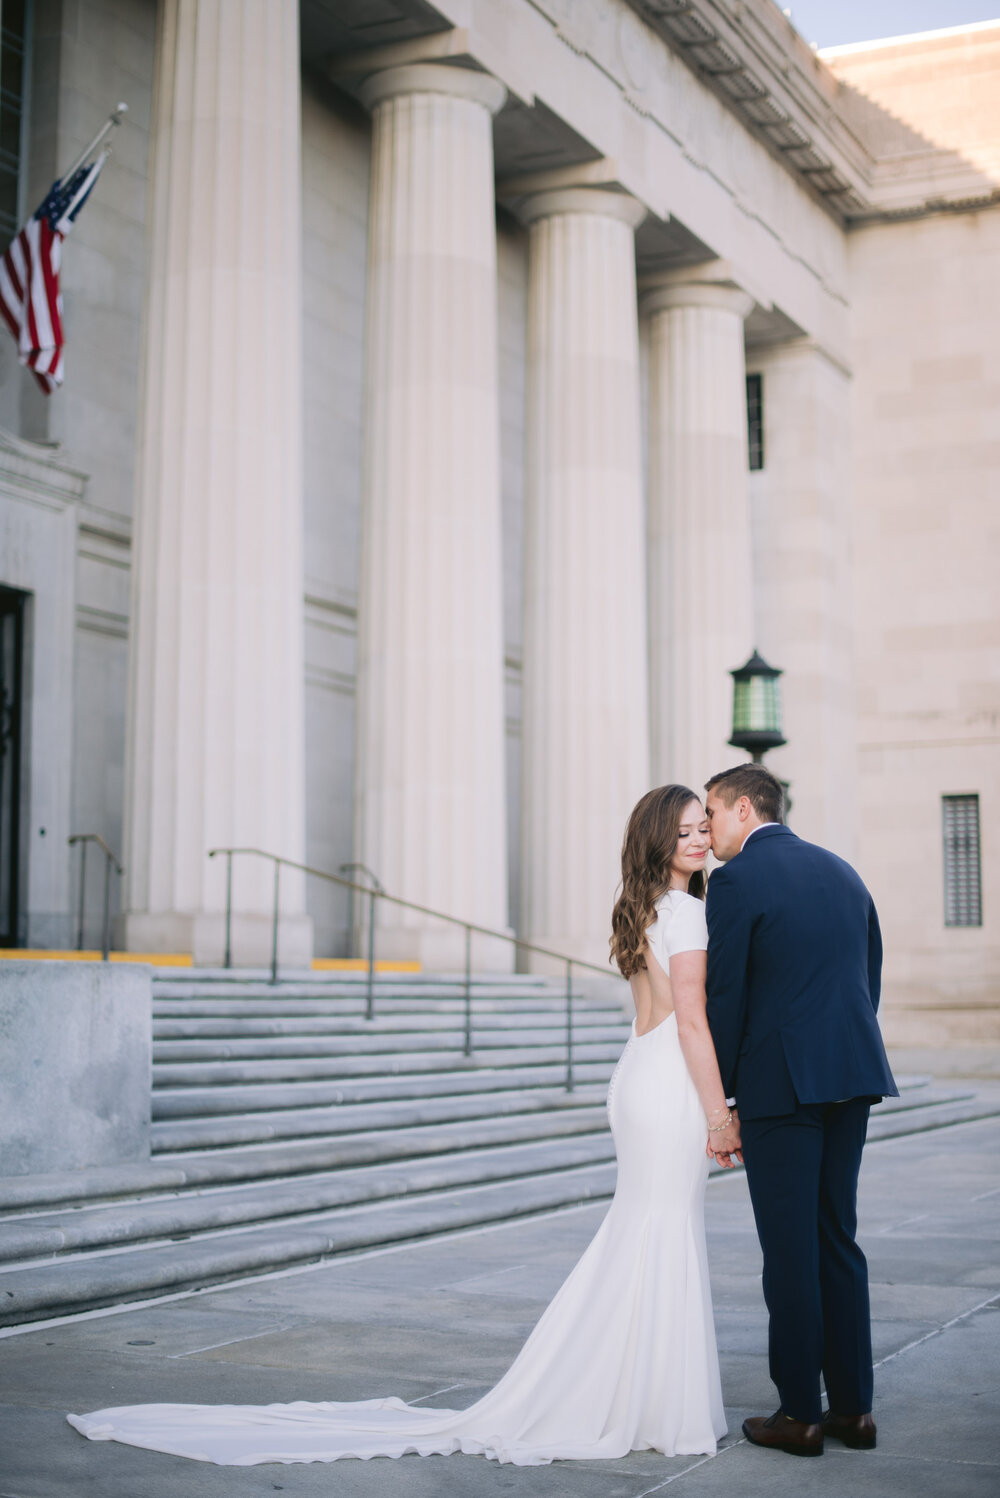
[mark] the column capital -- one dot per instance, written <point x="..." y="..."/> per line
<point x="711" y="284"/>
<point x="598" y="201"/>
<point x="433" y="78"/>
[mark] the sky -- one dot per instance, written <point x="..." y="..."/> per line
<point x="831" y="23"/>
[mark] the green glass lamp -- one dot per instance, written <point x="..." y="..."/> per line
<point x="757" y="708"/>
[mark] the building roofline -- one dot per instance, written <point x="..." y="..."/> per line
<point x="847" y="49"/>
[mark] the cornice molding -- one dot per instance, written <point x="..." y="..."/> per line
<point x="35" y="468"/>
<point x="751" y="56"/>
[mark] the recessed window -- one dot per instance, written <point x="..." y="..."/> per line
<point x="755" y="420"/>
<point x="13" y="90"/>
<point x="963" y="904"/>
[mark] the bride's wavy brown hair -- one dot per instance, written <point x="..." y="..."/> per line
<point x="648" y="846"/>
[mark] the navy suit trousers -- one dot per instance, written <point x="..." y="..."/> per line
<point x="802" y="1170"/>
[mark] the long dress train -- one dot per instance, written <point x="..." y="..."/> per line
<point x="624" y="1358"/>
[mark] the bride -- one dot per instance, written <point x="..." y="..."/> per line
<point x="624" y="1358"/>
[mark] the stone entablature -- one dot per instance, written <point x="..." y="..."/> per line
<point x="683" y="153"/>
<point x="833" y="140"/>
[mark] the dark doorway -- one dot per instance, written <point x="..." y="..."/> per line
<point x="12" y="608"/>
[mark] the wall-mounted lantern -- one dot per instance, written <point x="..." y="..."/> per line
<point x="757" y="708"/>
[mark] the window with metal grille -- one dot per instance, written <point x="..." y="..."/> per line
<point x="14" y="19"/>
<point x="755" y="420"/>
<point x="963" y="904"/>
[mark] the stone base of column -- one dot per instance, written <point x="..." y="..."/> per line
<point x="595" y="952"/>
<point x="204" y="936"/>
<point x="438" y="949"/>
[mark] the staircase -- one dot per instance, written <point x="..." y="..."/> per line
<point x="288" y="1128"/>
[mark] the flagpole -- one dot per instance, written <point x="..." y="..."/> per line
<point x="87" y="183"/>
<point x="115" y="118"/>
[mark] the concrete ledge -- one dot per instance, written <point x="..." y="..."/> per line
<point x="75" y="1065"/>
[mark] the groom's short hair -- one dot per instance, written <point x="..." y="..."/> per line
<point x="763" y="790"/>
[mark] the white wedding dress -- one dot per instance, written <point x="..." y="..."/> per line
<point x="623" y="1359"/>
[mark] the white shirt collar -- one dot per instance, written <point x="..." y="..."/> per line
<point x="756" y="829"/>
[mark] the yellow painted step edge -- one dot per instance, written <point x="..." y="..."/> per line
<point x="360" y="965"/>
<point x="156" y="959"/>
<point x="183" y="959"/>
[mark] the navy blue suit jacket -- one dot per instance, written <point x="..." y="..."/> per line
<point x="794" y="976"/>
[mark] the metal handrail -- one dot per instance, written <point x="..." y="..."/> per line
<point x="83" y="838"/>
<point x="375" y="892"/>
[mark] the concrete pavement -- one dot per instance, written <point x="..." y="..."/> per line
<point x="439" y="1321"/>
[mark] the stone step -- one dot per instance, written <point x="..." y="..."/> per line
<point x="167" y="990"/>
<point x="251" y="1129"/>
<point x="88" y="1280"/>
<point x="338" y="1119"/>
<point x="201" y="1102"/>
<point x="44" y="1235"/>
<point x="234" y="1231"/>
<point x="354" y="1083"/>
<point x="405" y="1029"/>
<point x="40" y="1234"/>
<point x="940" y="1113"/>
<point x="353" y="978"/>
<point x="238" y="1072"/>
<point x="279" y="1006"/>
<point x="197" y="1170"/>
<point x="241" y="1046"/>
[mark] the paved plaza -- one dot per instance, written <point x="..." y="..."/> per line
<point x="439" y="1321"/>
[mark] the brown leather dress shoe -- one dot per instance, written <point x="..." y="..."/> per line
<point x="854" y="1430"/>
<point x="782" y="1433"/>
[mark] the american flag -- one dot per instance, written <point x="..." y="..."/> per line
<point x="30" y="300"/>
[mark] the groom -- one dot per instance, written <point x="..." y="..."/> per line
<point x="794" y="969"/>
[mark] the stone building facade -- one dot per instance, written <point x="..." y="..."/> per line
<point x="400" y="505"/>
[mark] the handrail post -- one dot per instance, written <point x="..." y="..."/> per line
<point x="468" y="990"/>
<point x="375" y="891"/>
<point x="569" y="1026"/>
<point x="370" y="1007"/>
<point x="106" y="937"/>
<point x="274" y="926"/>
<point x="227" y="960"/>
<point x="83" y="888"/>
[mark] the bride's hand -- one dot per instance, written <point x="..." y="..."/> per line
<point x="725" y="1145"/>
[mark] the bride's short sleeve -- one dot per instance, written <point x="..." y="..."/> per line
<point x="688" y="928"/>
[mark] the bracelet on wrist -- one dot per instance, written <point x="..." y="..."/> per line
<point x="719" y="1128"/>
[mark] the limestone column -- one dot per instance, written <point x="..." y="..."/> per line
<point x="803" y="606"/>
<point x="585" y="666"/>
<point x="215" y="744"/>
<point x="430" y="790"/>
<point x="700" y="553"/>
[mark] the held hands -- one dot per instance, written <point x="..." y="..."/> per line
<point x="724" y="1143"/>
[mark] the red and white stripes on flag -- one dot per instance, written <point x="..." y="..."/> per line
<point x="30" y="300"/>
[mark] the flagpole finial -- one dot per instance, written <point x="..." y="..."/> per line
<point x="115" y="118"/>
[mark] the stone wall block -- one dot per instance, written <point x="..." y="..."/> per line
<point x="75" y="1065"/>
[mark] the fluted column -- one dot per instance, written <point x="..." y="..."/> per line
<point x="430" y="809"/>
<point x="585" y="674"/>
<point x="700" y="555"/>
<point x="215" y="744"/>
